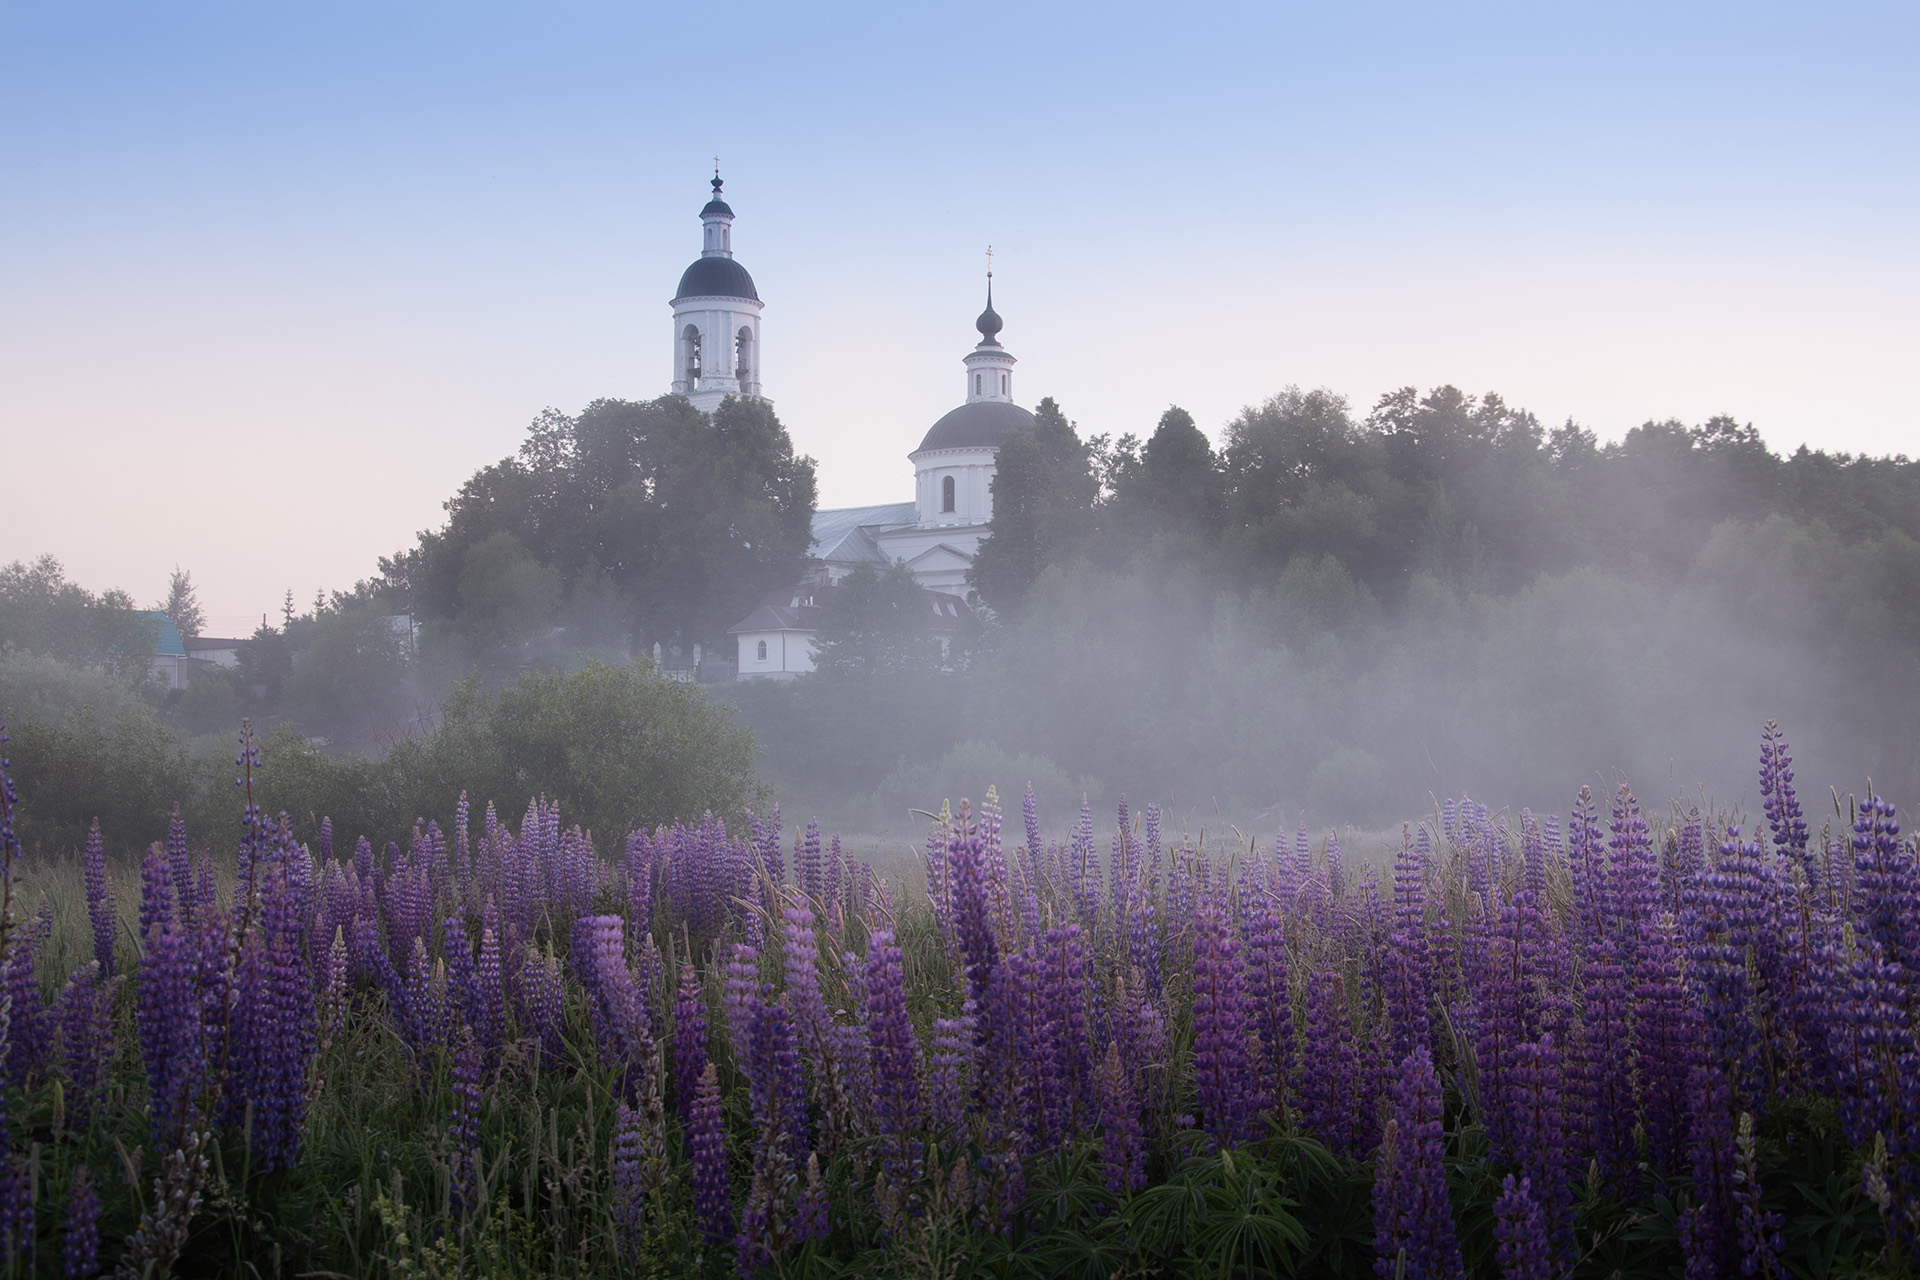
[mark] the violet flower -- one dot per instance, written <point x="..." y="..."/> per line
<point x="1521" y="1230"/>
<point x="1122" y="1143"/>
<point x="896" y="1086"/>
<point x="1413" y="1228"/>
<point x="706" y="1145"/>
<point x="99" y="900"/>
<point x="1224" y="1078"/>
<point x="80" y="1249"/>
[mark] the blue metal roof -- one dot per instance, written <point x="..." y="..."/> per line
<point x="166" y="636"/>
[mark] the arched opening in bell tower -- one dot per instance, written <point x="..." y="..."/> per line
<point x="743" y="354"/>
<point x="946" y="494"/>
<point x="690" y="355"/>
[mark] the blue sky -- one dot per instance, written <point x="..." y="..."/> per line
<point x="275" y="278"/>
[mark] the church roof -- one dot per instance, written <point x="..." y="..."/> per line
<point x="979" y="425"/>
<point x="715" y="277"/>
<point x="840" y="533"/>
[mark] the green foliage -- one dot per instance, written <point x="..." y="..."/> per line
<point x="182" y="605"/>
<point x="1043" y="493"/>
<point x="621" y="748"/>
<point x="877" y="626"/>
<point x="41" y="612"/>
<point x="647" y="520"/>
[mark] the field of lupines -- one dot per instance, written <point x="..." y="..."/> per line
<point x="1619" y="1044"/>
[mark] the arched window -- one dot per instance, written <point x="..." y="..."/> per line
<point x="743" y="354"/>
<point x="976" y="384"/>
<point x="1003" y="384"/>
<point x="760" y="651"/>
<point x="690" y="356"/>
<point x="946" y="493"/>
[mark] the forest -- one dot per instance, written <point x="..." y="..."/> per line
<point x="1330" y="615"/>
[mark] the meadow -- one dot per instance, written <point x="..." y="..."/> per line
<point x="1630" y="1041"/>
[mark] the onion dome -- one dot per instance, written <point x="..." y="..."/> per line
<point x="989" y="323"/>
<point x="716" y="207"/>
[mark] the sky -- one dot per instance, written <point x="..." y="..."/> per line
<point x="275" y="279"/>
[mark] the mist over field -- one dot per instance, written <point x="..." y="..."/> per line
<point x="1332" y="618"/>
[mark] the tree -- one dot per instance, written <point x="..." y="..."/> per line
<point x="348" y="682"/>
<point x="1044" y="490"/>
<point x="647" y="518"/>
<point x="620" y="748"/>
<point x="877" y="626"/>
<point x="182" y="605"/>
<point x="42" y="612"/>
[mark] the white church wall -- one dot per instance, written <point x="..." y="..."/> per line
<point x="786" y="654"/>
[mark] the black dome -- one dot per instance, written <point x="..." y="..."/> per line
<point x="716" y="277"/>
<point x="979" y="425"/>
<point x="716" y="208"/>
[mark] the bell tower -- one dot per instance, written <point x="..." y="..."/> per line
<point x="716" y="317"/>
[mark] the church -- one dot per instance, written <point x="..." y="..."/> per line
<point x="717" y="353"/>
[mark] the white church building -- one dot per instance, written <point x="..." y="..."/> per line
<point x="716" y="345"/>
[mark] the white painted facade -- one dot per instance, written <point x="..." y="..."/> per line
<point x="776" y="654"/>
<point x="716" y="328"/>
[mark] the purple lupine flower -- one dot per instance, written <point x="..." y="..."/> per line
<point x="80" y="1249"/>
<point x="84" y="1023"/>
<point x="1412" y="1218"/>
<point x="99" y="900"/>
<point x="1760" y="1239"/>
<point x="742" y="985"/>
<point x="1224" y="1078"/>
<point x="619" y="1015"/>
<point x="629" y="1184"/>
<point x="1269" y="995"/>
<point x="168" y="1019"/>
<point x="1539" y="1137"/>
<point x="706" y="1144"/>
<point x="1070" y="1068"/>
<point x="1330" y="1093"/>
<point x="488" y="1010"/>
<point x="807" y="862"/>
<point x="267" y="1080"/>
<point x="896" y="1085"/>
<point x="1600" y="1085"/>
<point x="29" y="1031"/>
<point x="801" y="952"/>
<point x="947" y="1069"/>
<point x="1780" y="803"/>
<point x="180" y="862"/>
<point x="689" y="1041"/>
<point x="543" y="1008"/>
<point x="156" y="893"/>
<point x="333" y="992"/>
<point x="1586" y="859"/>
<point x="1521" y="1230"/>
<point x="768" y="1223"/>
<point x="1706" y="1229"/>
<point x="1666" y="1045"/>
<point x="973" y="924"/>
<point x="463" y="1128"/>
<point x="1122" y="1144"/>
<point x="423" y="1020"/>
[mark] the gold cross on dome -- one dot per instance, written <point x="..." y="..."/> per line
<point x="989" y="262"/>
